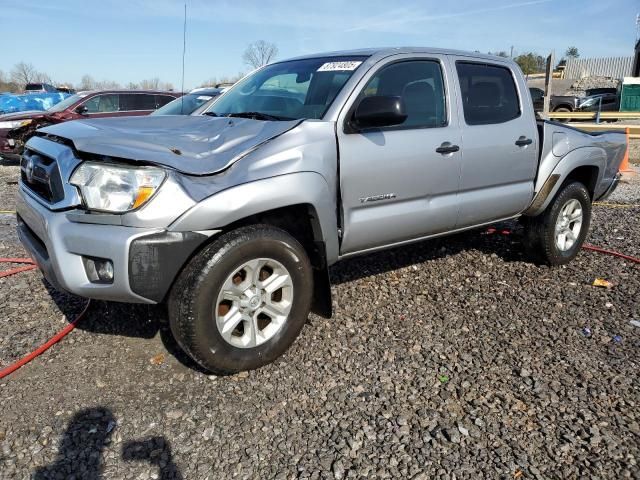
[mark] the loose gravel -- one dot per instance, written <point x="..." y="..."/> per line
<point x="454" y="358"/>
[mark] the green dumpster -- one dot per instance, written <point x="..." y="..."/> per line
<point x="630" y="95"/>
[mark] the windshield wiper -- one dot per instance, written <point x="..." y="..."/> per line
<point x="210" y="114"/>
<point x="255" y="116"/>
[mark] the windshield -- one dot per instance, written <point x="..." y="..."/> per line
<point x="288" y="90"/>
<point x="184" y="105"/>
<point x="66" y="103"/>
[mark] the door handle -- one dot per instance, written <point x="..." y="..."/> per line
<point x="522" y="141"/>
<point x="447" y="147"/>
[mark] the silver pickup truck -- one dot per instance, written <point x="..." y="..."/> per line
<point x="233" y="217"/>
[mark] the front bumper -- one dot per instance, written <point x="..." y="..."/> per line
<point x="145" y="260"/>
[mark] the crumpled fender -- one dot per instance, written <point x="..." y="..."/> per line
<point x="235" y="203"/>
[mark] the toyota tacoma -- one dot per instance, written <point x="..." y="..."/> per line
<point x="233" y="217"/>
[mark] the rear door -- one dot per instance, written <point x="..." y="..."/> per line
<point x="500" y="151"/>
<point x="135" y="104"/>
<point x="162" y="100"/>
<point x="394" y="185"/>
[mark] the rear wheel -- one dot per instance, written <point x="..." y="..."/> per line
<point x="556" y="236"/>
<point x="242" y="301"/>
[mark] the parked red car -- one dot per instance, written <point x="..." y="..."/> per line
<point x="17" y="128"/>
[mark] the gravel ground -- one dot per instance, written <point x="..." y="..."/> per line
<point x="453" y="358"/>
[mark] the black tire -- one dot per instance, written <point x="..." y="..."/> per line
<point x="540" y="236"/>
<point x="194" y="296"/>
<point x="562" y="110"/>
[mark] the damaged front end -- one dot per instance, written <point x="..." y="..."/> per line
<point x="14" y="134"/>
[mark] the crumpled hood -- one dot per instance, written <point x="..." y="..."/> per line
<point x="197" y="145"/>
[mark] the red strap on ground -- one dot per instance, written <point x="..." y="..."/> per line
<point x="13" y="271"/>
<point x="611" y="252"/>
<point x="56" y="338"/>
<point x="30" y="266"/>
<point x="43" y="348"/>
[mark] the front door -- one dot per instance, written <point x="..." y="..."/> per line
<point x="101" y="105"/>
<point x="394" y="185"/>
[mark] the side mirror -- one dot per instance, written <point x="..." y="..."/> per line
<point x="81" y="109"/>
<point x="379" y="111"/>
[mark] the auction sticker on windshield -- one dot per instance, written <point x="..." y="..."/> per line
<point x="338" y="66"/>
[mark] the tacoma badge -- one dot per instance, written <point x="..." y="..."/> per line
<point x="375" y="198"/>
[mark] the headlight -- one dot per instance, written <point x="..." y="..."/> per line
<point x="15" y="124"/>
<point x="115" y="188"/>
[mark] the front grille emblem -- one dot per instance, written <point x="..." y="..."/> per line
<point x="28" y="170"/>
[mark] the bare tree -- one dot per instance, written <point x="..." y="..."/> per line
<point x="107" y="85"/>
<point x="572" y="52"/>
<point x="6" y="85"/>
<point x="23" y="73"/>
<point x="166" y="86"/>
<point x="153" y="84"/>
<point x="150" y="84"/>
<point x="213" y="81"/>
<point x="42" y="78"/>
<point x="259" y="53"/>
<point x="87" y="83"/>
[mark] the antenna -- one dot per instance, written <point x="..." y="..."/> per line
<point x="184" y="51"/>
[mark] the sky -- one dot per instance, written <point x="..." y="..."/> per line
<point x="132" y="40"/>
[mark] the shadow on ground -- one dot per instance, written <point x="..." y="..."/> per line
<point x="88" y="434"/>
<point x="508" y="247"/>
<point x="122" y="319"/>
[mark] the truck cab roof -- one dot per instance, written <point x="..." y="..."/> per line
<point x="387" y="51"/>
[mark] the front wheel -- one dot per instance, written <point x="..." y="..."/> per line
<point x="241" y="302"/>
<point x="556" y="236"/>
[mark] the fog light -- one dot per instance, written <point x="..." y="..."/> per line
<point x="99" y="270"/>
<point x="105" y="270"/>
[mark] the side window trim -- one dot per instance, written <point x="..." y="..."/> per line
<point x="516" y="86"/>
<point x="445" y="91"/>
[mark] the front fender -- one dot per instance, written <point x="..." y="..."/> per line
<point x="549" y="186"/>
<point x="236" y="203"/>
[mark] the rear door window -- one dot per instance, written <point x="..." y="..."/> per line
<point x="489" y="93"/>
<point x="137" y="101"/>
<point x="107" y="103"/>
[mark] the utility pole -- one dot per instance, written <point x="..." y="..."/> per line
<point x="548" y="78"/>
<point x="511" y="54"/>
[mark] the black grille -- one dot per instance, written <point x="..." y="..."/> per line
<point x="41" y="174"/>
